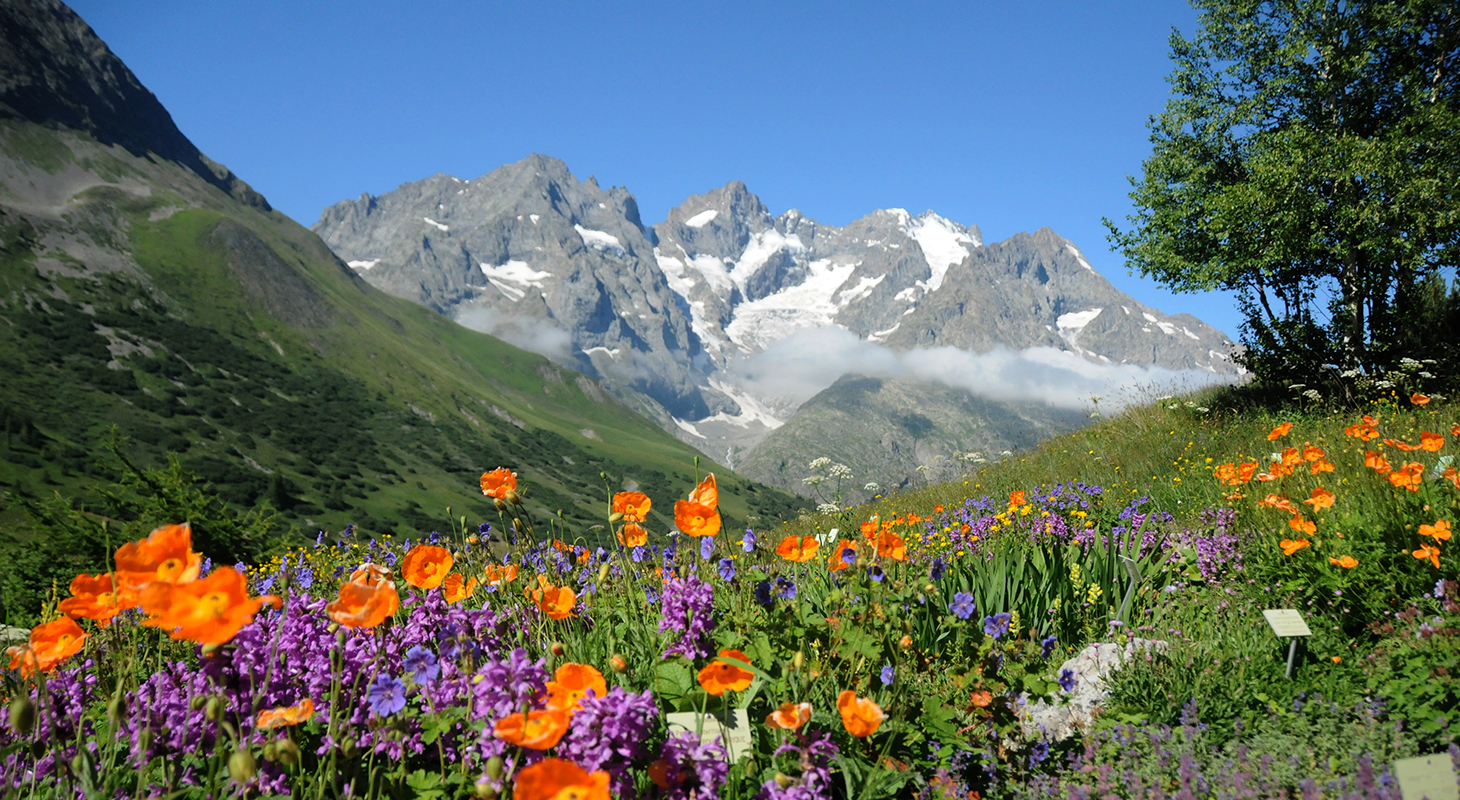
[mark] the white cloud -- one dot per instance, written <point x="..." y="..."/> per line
<point x="529" y="333"/>
<point x="797" y="367"/>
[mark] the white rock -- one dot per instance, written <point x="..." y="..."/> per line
<point x="1080" y="707"/>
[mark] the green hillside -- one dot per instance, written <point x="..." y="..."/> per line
<point x="136" y="294"/>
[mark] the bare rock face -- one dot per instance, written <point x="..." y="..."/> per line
<point x="1084" y="703"/>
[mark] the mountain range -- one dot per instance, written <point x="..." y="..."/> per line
<point x="677" y="318"/>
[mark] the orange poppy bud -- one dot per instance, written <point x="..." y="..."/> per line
<point x="1418" y="399"/>
<point x="557" y="779"/>
<point x="1440" y="531"/>
<point x="1280" y="431"/>
<point x="165" y="555"/>
<point x="1320" y="499"/>
<point x="1301" y="525"/>
<point x="1347" y="562"/>
<point x="1291" y="546"/>
<point x="696" y="519"/>
<point x="1428" y="551"/>
<point x="632" y="534"/>
<point x="837" y="560"/>
<point x="618" y="663"/>
<point x="1431" y="442"/>
<point x="282" y="716"/>
<point x="798" y="548"/>
<point x="1455" y="431"/>
<point x="538" y="730"/>
<point x="789" y="716"/>
<point x="455" y="588"/>
<point x="207" y="611"/>
<point x="571" y="683"/>
<point x="633" y="505"/>
<point x="860" y="715"/>
<point x="723" y="675"/>
<point x="498" y="482"/>
<point x="426" y="566"/>
<point x="890" y="545"/>
<point x="50" y="644"/>
<point x="707" y="493"/>
<point x="98" y="598"/>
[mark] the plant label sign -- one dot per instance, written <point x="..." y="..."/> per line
<point x="735" y="738"/>
<point x="1427" y="776"/>
<point x="1286" y="623"/>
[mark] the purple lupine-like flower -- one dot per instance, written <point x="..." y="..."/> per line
<point x="609" y="732"/>
<point x="962" y="606"/>
<point x="1067" y="680"/>
<point x="814" y="758"/>
<point x="693" y="769"/>
<point x="887" y="674"/>
<point x="998" y="624"/>
<point x="688" y="609"/>
<point x="707" y="547"/>
<point x="421" y="664"/>
<point x="387" y="695"/>
<point x="747" y="542"/>
<point x="727" y="569"/>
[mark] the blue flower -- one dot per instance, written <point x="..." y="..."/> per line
<point x="651" y="596"/>
<point x="435" y="537"/>
<point x="637" y="554"/>
<point x="962" y="605"/>
<point x="727" y="569"/>
<point x="208" y="567"/>
<point x="785" y="588"/>
<point x="998" y="624"/>
<point x="1046" y="645"/>
<point x="1038" y="753"/>
<point x="875" y="573"/>
<point x="387" y="695"/>
<point x="887" y="675"/>
<point x="421" y="664"/>
<point x="849" y="556"/>
<point x="707" y="547"/>
<point x="763" y="593"/>
<point x="1067" y="680"/>
<point x="748" y="542"/>
<point x="304" y="578"/>
<point x="938" y="566"/>
<point x="1440" y="589"/>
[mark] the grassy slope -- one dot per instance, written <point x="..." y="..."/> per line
<point x="398" y="421"/>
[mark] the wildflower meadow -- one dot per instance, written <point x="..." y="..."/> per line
<point x="903" y="648"/>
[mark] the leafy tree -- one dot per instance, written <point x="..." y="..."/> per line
<point x="1309" y="160"/>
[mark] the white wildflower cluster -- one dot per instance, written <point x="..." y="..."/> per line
<point x="1350" y="373"/>
<point x="1409" y="364"/>
<point x="1383" y="384"/>
<point x="840" y="471"/>
<point x="1312" y="394"/>
<point x="872" y="486"/>
<point x="818" y="463"/>
<point x="813" y="480"/>
<point x="827" y="508"/>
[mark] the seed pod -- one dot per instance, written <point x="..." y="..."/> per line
<point x="242" y="767"/>
<point x="517" y="525"/>
<point x="784" y="781"/>
<point x="348" y="748"/>
<point x="618" y="664"/>
<point x="494" y="767"/>
<point x="82" y="766"/>
<point x="22" y="714"/>
<point x="286" y="752"/>
<point x="196" y="703"/>
<point x="270" y="750"/>
<point x="214" y="708"/>
<point x="798" y="661"/>
<point x="616" y="516"/>
<point x="602" y="573"/>
<point x="499" y="503"/>
<point x="558" y="648"/>
<point x="513" y="497"/>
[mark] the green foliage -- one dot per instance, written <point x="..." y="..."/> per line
<point x="1417" y="664"/>
<point x="1305" y="161"/>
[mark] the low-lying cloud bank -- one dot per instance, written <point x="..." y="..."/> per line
<point x="797" y="367"/>
<point x="540" y="336"/>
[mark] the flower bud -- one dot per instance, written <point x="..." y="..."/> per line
<point x="929" y="588"/>
<point x="484" y="790"/>
<point x="494" y="767"/>
<point x="242" y="767"/>
<point x="517" y="525"/>
<point x="602" y="573"/>
<point x="116" y="708"/>
<point x="784" y="781"/>
<point x="618" y="664"/>
<point x="558" y="649"/>
<point x="22" y="714"/>
<point x="513" y="497"/>
<point x="348" y="748"/>
<point x="196" y="703"/>
<point x="270" y="750"/>
<point x="905" y="642"/>
<point x="287" y="752"/>
<point x="616" y="516"/>
<point x="214" y="708"/>
<point x="82" y="766"/>
<point x="39" y="748"/>
<point x="798" y="661"/>
<point x="498" y="502"/>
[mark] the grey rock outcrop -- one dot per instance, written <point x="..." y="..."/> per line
<point x="1079" y="707"/>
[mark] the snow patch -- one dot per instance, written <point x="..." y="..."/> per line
<point x="1189" y="334"/>
<point x="437" y="225"/>
<point x="513" y="278"/>
<point x="610" y="353"/>
<point x="702" y="219"/>
<point x="878" y="336"/>
<point x="751" y="410"/>
<point x="908" y="295"/>
<point x="762" y="246"/>
<point x="863" y="288"/>
<point x="1074" y="251"/>
<point x="363" y="264"/>
<point x="599" y="240"/>
<point x="944" y="243"/>
<point x="534" y="218"/>
<point x="687" y="426"/>
<point x="763" y="322"/>
<point x="1076" y="320"/>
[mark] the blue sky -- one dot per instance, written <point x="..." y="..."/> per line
<point x="1010" y="116"/>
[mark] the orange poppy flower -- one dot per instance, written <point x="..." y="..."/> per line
<point x="722" y="675"/>
<point x="367" y="600"/>
<point x="1311" y="453"/>
<point x="1301" y="525"/>
<point x="1440" y="531"/>
<point x="938" y="509"/>
<point x="165" y="555"/>
<point x="860" y="715"/>
<point x="869" y="528"/>
<point x="1408" y="476"/>
<point x="500" y="576"/>
<point x="1246" y="470"/>
<point x="1280" y="502"/>
<point x="1455" y="430"/>
<point x="1321" y="465"/>
<point x="558" y="779"/>
<point x="570" y="684"/>
<point x="1364" y="432"/>
<point x="1291" y="546"/>
<point x="1320" y="499"/>
<point x="207" y="611"/>
<point x="633" y="505"/>
<point x="1347" y="562"/>
<point x="426" y="566"/>
<point x="707" y="493"/>
<point x="456" y="588"/>
<point x="890" y="545"/>
<point x="981" y="698"/>
<point x="1402" y="446"/>
<point x="538" y="730"/>
<point x="798" y="548"/>
<point x="1431" y="442"/>
<point x="1428" y="551"/>
<point x="913" y="519"/>
<point x="1227" y="474"/>
<point x="1292" y="456"/>
<point x="1452" y="475"/>
<point x="290" y="715"/>
<point x="1266" y="477"/>
<point x="555" y="601"/>
<point x="632" y="534"/>
<point x="98" y="598"/>
<point x="789" y="716"/>
<point x="1280" y="431"/>
<point x="50" y="644"/>
<point x="696" y="519"/>
<point x="1418" y="399"/>
<point x="837" y="561"/>
<point x="498" y="482"/>
<point x="1016" y="499"/>
<point x="1376" y="462"/>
